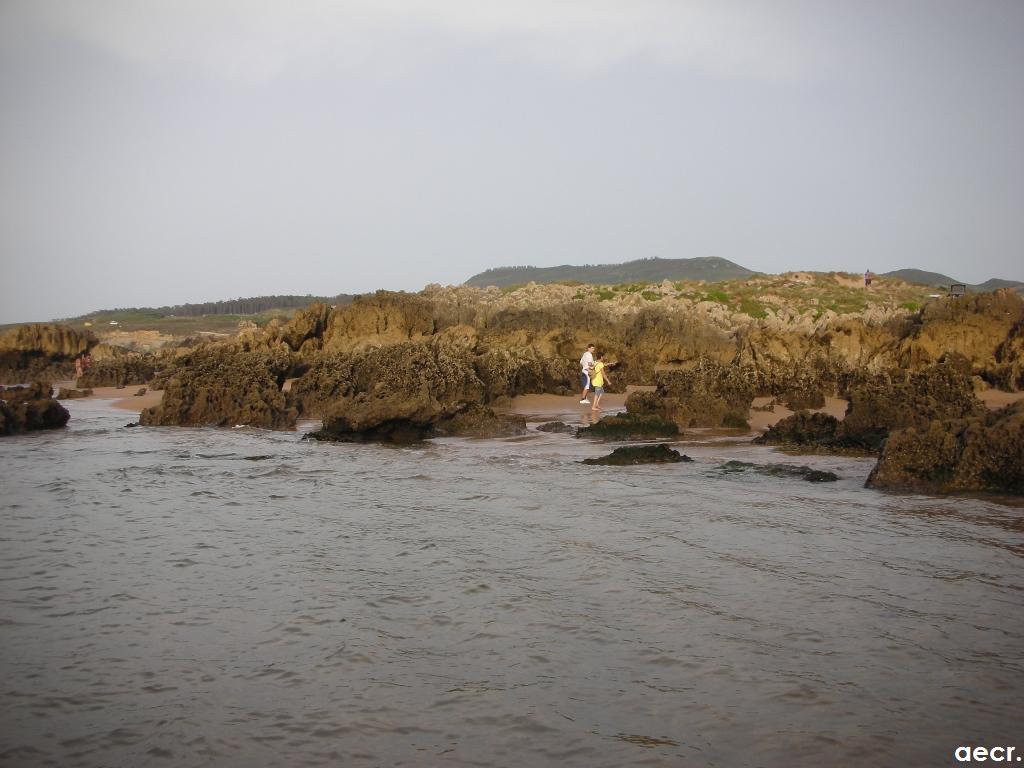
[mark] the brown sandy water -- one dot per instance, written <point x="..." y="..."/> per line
<point x="240" y="598"/>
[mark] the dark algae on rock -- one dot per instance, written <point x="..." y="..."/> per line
<point x="809" y="474"/>
<point x="630" y="426"/>
<point x="640" y="454"/>
<point x="224" y="386"/>
<point x="984" y="452"/>
<point x="25" y="409"/>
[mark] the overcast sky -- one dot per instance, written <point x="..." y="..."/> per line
<point x="158" y="152"/>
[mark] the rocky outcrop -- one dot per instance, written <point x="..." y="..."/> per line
<point x="480" y="421"/>
<point x="400" y="392"/>
<point x="507" y="373"/>
<point x="706" y="394"/>
<point x="377" y="319"/>
<point x="878" y="405"/>
<point x="223" y="386"/>
<point x="305" y="331"/>
<point x="983" y="452"/>
<point x="803" y="430"/>
<point x="640" y="454"/>
<point x="119" y="371"/>
<point x="41" y="349"/>
<point x="976" y="326"/>
<point x="898" y="399"/>
<point x="24" y="409"/>
<point x="631" y="426"/>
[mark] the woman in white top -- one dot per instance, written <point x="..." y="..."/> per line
<point x="586" y="363"/>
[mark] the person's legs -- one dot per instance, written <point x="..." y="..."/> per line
<point x="585" y="383"/>
<point x="598" y="391"/>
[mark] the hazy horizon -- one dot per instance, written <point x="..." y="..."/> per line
<point x="166" y="153"/>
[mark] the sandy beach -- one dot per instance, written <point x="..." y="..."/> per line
<point x="123" y="397"/>
<point x="540" y="408"/>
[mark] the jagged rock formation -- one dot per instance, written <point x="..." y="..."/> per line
<point x="24" y="409"/>
<point x="400" y="392"/>
<point x="976" y="327"/>
<point x="878" y="405"/>
<point x="708" y="394"/>
<point x="119" y="370"/>
<point x="224" y="386"/>
<point x="982" y="452"/>
<point x="706" y="358"/>
<point x="41" y="350"/>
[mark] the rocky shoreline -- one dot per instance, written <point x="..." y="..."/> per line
<point x="399" y="367"/>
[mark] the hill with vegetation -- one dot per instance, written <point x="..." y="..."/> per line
<point x="710" y="269"/>
<point x="216" y="317"/>
<point x="939" y="280"/>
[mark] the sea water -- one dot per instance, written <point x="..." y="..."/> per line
<point x="241" y="597"/>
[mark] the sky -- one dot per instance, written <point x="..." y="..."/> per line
<point x="157" y="152"/>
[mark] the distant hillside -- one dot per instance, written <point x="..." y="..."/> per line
<point x="921" y="277"/>
<point x="939" y="280"/>
<point x="711" y="269"/>
<point x="251" y="306"/>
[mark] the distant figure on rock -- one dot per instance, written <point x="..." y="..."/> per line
<point x="867" y="279"/>
<point x="600" y="378"/>
<point x="78" y="368"/>
<point x="586" y="365"/>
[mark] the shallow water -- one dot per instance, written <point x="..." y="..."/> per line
<point x="240" y="598"/>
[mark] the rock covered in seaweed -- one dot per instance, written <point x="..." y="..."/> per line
<point x="640" y="454"/>
<point x="35" y="350"/>
<point x="223" y="386"/>
<point x="706" y="394"/>
<point x="399" y="392"/>
<point x="25" y="409"/>
<point x="630" y="426"/>
<point x="982" y="452"/>
<point x="878" y="405"/>
<point x="804" y="430"/>
<point x="801" y="472"/>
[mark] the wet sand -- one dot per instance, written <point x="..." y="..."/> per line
<point x="540" y="408"/>
<point x="762" y="420"/>
<point x="996" y="399"/>
<point x="123" y="397"/>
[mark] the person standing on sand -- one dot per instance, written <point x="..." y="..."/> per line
<point x="586" y="363"/>
<point x="600" y="379"/>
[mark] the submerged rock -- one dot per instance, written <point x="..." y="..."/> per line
<point x="72" y="394"/>
<point x="557" y="427"/>
<point x="630" y="426"/>
<point x="640" y="454"/>
<point x="979" y="453"/>
<point x="25" y="409"/>
<point x="480" y="421"/>
<point x="802" y="430"/>
<point x="223" y="386"/>
<point x="809" y="474"/>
